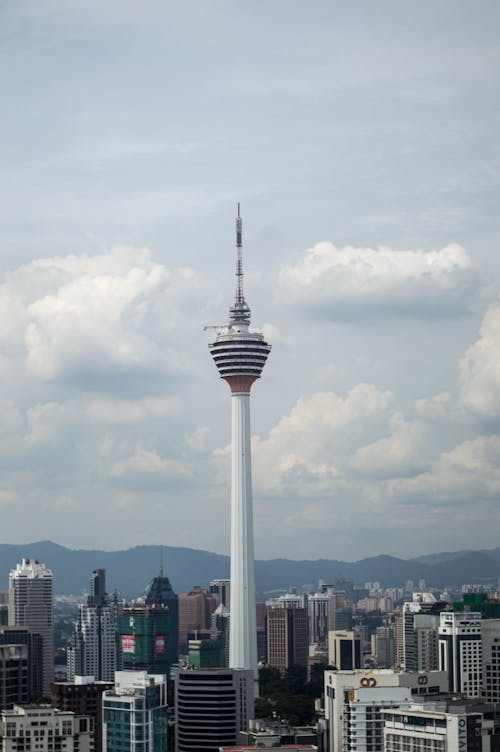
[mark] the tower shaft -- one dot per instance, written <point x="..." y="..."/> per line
<point x="242" y="627"/>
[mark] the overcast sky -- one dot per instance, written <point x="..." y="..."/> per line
<point x="363" y="142"/>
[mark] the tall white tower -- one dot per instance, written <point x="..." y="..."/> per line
<point x="240" y="356"/>
<point x="31" y="605"/>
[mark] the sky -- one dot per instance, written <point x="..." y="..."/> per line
<point x="362" y="142"/>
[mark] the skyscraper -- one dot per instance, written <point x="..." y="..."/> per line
<point x="240" y="356"/>
<point x="93" y="650"/>
<point x="286" y="637"/>
<point x="460" y="651"/>
<point x="31" y="605"/>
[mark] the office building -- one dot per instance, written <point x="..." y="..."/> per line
<point x="146" y="634"/>
<point x="160" y="593"/>
<point x="195" y="610"/>
<point x="14" y="675"/>
<point x="83" y="697"/>
<point x="383" y="646"/>
<point x="219" y="629"/>
<point x="287" y="643"/>
<point x="44" y="729"/>
<point x="443" y="726"/>
<point x="135" y="713"/>
<point x="328" y="611"/>
<point x="345" y="650"/>
<point x="212" y="707"/>
<point x="92" y="651"/>
<point x="490" y="669"/>
<point x="354" y="700"/>
<point x="460" y="651"/>
<point x="221" y="590"/>
<point x="207" y="653"/>
<point x="31" y="605"/>
<point x="421" y="619"/>
<point x="34" y="644"/>
<point x="240" y="356"/>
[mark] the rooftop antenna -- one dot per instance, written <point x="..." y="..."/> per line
<point x="161" y="562"/>
<point x="239" y="314"/>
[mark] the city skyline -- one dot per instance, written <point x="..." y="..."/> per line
<point x="363" y="144"/>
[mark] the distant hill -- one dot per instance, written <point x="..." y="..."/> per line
<point x="129" y="571"/>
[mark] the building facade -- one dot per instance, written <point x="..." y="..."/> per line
<point x="460" y="651"/>
<point x="354" y="701"/>
<point x="212" y="707"/>
<point x="287" y="643"/>
<point x="93" y="649"/>
<point x="83" y="697"/>
<point x="135" y="713"/>
<point x="345" y="650"/>
<point x="44" y="729"/>
<point x="31" y="605"/>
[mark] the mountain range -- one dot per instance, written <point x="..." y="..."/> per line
<point x="130" y="570"/>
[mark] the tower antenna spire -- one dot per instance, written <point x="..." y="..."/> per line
<point x="240" y="312"/>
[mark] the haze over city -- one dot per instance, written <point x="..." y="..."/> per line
<point x="362" y="142"/>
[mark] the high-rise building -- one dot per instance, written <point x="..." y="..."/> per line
<point x="144" y="633"/>
<point x="345" y="650"/>
<point x="354" y="701"/>
<point x="420" y="632"/>
<point x="33" y="642"/>
<point x="135" y="713"/>
<point x="287" y="643"/>
<point x="93" y="648"/>
<point x="160" y="593"/>
<point x="195" y="610"/>
<point x="383" y="646"/>
<point x="83" y="697"/>
<point x="212" y="707"/>
<point x="490" y="648"/>
<point x="240" y="356"/>
<point x="327" y="611"/>
<point x="14" y="675"/>
<point x="31" y="605"/>
<point x="44" y="729"/>
<point x="460" y="651"/>
<point x="219" y="629"/>
<point x="221" y="590"/>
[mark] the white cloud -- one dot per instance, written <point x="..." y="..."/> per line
<point x="480" y="369"/>
<point x="355" y="282"/>
<point x="304" y="452"/>
<point x="99" y="322"/>
<point x="399" y="454"/>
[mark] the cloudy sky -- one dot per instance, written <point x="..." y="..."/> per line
<point x="362" y="140"/>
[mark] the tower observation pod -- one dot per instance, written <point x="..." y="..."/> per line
<point x="240" y="356"/>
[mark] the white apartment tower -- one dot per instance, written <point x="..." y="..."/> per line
<point x="460" y="651"/>
<point x="93" y="649"/>
<point x="240" y="356"/>
<point x="31" y="605"/>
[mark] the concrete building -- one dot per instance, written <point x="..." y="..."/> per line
<point x="240" y="356"/>
<point x="31" y="605"/>
<point x="92" y="651"/>
<point x="44" y="729"/>
<point x="195" y="610"/>
<point x="147" y="637"/>
<point x="221" y="590"/>
<point x="135" y="713"/>
<point x="83" y="697"/>
<point x="14" y="675"/>
<point x="441" y="726"/>
<point x="383" y="646"/>
<point x="421" y="619"/>
<point x="460" y="651"/>
<point x="212" y="707"/>
<point x="327" y="611"/>
<point x="34" y="644"/>
<point x="490" y="668"/>
<point x="345" y="650"/>
<point x="287" y="643"/>
<point x="354" y="700"/>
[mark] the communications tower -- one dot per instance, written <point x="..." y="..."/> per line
<point x="240" y="355"/>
